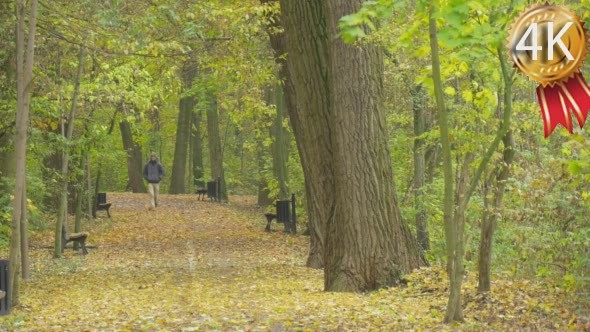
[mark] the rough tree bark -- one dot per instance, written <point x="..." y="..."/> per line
<point x="305" y="82"/>
<point x="339" y="124"/>
<point x="367" y="244"/>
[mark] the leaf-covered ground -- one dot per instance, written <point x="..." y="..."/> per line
<point x="201" y="266"/>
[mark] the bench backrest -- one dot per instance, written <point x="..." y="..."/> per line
<point x="101" y="198"/>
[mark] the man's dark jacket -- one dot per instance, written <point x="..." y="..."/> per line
<point x="153" y="171"/>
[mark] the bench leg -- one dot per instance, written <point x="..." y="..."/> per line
<point x="269" y="221"/>
<point x="108" y="213"/>
<point x="63" y="244"/>
<point x="83" y="245"/>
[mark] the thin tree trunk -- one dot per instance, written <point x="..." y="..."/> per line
<point x="79" y="200"/>
<point x="215" y="151"/>
<point x="419" y="168"/>
<point x="502" y="171"/>
<point x="280" y="146"/>
<point x="488" y="227"/>
<point x="454" y="310"/>
<point x="454" y="227"/>
<point x="62" y="211"/>
<point x="263" y="191"/>
<point x="197" y="151"/>
<point x="88" y="178"/>
<point x="262" y="152"/>
<point x="457" y="266"/>
<point x="24" y="86"/>
<point x="186" y="105"/>
<point x="457" y="270"/>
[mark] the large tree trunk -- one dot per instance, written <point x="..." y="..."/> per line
<point x="215" y="151"/>
<point x="134" y="159"/>
<point x="186" y="105"/>
<point x="367" y="244"/>
<point x="24" y="87"/>
<point x="305" y="81"/>
<point x="197" y="151"/>
<point x="342" y="143"/>
<point x="419" y="168"/>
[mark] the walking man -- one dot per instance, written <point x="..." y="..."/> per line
<point x="153" y="172"/>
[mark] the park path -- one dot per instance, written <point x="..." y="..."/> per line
<point x="188" y="265"/>
<point x="201" y="266"/>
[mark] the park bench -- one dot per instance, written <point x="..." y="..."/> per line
<point x="101" y="204"/>
<point x="75" y="238"/>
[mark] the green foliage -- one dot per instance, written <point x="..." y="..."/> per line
<point x="353" y="27"/>
<point x="35" y="216"/>
<point x="5" y="220"/>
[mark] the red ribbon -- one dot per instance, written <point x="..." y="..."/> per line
<point x="556" y="101"/>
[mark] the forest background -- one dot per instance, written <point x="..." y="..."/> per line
<point x="198" y="83"/>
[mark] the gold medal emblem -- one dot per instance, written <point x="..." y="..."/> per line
<point x="548" y="43"/>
